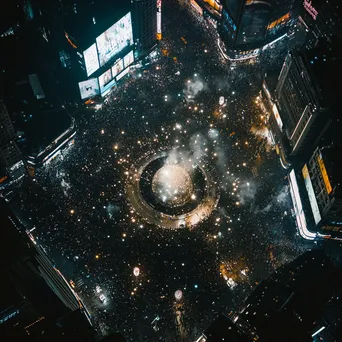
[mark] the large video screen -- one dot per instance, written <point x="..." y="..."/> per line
<point x="113" y="40"/>
<point x="117" y="67"/>
<point x="128" y="59"/>
<point x="105" y="78"/>
<point x="89" y="88"/>
<point x="91" y="59"/>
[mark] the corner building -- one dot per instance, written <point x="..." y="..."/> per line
<point x="248" y="25"/>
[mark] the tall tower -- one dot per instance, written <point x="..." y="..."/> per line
<point x="37" y="300"/>
<point x="147" y="24"/>
<point x="11" y="160"/>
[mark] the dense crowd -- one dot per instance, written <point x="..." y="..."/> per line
<point x="84" y="220"/>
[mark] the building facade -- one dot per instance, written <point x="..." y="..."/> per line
<point x="321" y="19"/>
<point x="12" y="167"/>
<point x="145" y="15"/>
<point x="300" y="100"/>
<point x="38" y="299"/>
<point x="247" y="26"/>
<point x="323" y="187"/>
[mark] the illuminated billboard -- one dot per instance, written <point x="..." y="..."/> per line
<point x="310" y="9"/>
<point x="128" y="59"/>
<point x="324" y="173"/>
<point x="311" y="194"/>
<point x="117" y="68"/>
<point x="159" y="33"/>
<point x="89" y="88"/>
<point x="104" y="79"/>
<point x="124" y="73"/>
<point x="298" y="208"/>
<point x="277" y="116"/>
<point x="108" y="87"/>
<point x="113" y="40"/>
<point x="91" y="59"/>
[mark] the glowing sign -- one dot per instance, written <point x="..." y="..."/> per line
<point x="159" y="34"/>
<point x="89" y="88"/>
<point x="277" y="116"/>
<point x="128" y="59"/>
<point x="310" y="9"/>
<point x="214" y="4"/>
<point x="298" y="208"/>
<point x="104" y="79"/>
<point x="3" y="179"/>
<point x="196" y="7"/>
<point x="324" y="174"/>
<point x="117" y="67"/>
<point x="280" y="20"/>
<point x="69" y="39"/>
<point x="116" y="38"/>
<point x="91" y="60"/>
<point x="124" y="73"/>
<point x="311" y="194"/>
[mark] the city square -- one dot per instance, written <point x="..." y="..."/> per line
<point x="237" y="213"/>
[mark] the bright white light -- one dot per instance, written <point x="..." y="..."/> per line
<point x="136" y="271"/>
<point x="178" y="295"/>
<point x="318" y="331"/>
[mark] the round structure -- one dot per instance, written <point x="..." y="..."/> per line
<point x="172" y="195"/>
<point x="172" y="185"/>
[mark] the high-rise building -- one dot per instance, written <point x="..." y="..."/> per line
<point x="223" y="329"/>
<point x="146" y="18"/>
<point x="246" y="26"/>
<point x="293" y="304"/>
<point x="323" y="185"/>
<point x="301" y="301"/>
<point x="35" y="298"/>
<point x="299" y="103"/>
<point x="321" y="19"/>
<point x="12" y="167"/>
<point x="306" y="96"/>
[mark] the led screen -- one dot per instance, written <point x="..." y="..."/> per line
<point x="117" y="68"/>
<point x="89" y="88"/>
<point x="312" y="198"/>
<point x="125" y="72"/>
<point x="107" y="88"/>
<point x="113" y="40"/>
<point x="91" y="59"/>
<point x="128" y="59"/>
<point x="104" y="79"/>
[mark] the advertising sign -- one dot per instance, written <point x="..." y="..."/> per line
<point x="105" y="78"/>
<point x="277" y="116"/>
<point x="107" y="88"/>
<point x="117" y="68"/>
<point x="89" y="88"/>
<point x="125" y="72"/>
<point x="91" y="59"/>
<point x="113" y="40"/>
<point x="159" y="33"/>
<point x="324" y="174"/>
<point x="128" y="59"/>
<point x="311" y="194"/>
<point x="310" y="9"/>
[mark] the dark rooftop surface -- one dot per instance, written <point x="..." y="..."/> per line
<point x="42" y="127"/>
<point x="79" y="23"/>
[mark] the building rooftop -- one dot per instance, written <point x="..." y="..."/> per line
<point x="41" y="126"/>
<point x="332" y="157"/>
<point x="325" y="66"/>
<point x="86" y="20"/>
